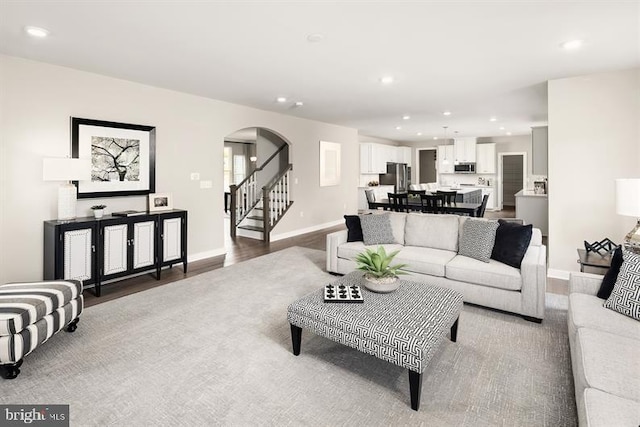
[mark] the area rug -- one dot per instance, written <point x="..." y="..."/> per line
<point x="215" y="349"/>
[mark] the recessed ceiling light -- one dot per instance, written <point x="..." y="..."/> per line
<point x="299" y="103"/>
<point x="571" y="44"/>
<point x="493" y="119"/>
<point x="315" y="37"/>
<point x="281" y="99"/>
<point x="36" y="31"/>
<point x="501" y="128"/>
<point x="446" y="113"/>
<point x="398" y="127"/>
<point x="419" y="133"/>
<point x="386" y="80"/>
<point x="509" y="133"/>
<point x="406" y="117"/>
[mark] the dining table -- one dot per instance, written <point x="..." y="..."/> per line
<point x="470" y="209"/>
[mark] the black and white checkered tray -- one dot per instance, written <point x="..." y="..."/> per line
<point x="342" y="293"/>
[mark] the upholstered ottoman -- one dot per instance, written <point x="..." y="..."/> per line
<point x="404" y="327"/>
<point x="30" y="313"/>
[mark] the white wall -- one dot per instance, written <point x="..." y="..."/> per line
<point x="594" y="138"/>
<point x="36" y="102"/>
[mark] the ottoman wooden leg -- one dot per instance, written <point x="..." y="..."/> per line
<point x="415" y="389"/>
<point x="296" y="339"/>
<point x="10" y="371"/>
<point x="454" y="330"/>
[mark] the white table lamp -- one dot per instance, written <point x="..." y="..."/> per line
<point x="628" y="204"/>
<point x="66" y="170"/>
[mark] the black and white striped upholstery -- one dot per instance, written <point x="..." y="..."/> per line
<point x="30" y="313"/>
<point x="404" y="327"/>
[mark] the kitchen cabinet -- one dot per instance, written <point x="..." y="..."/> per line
<point x="403" y="155"/>
<point x="380" y="192"/>
<point x="95" y="250"/>
<point x="465" y="150"/>
<point x="374" y="157"/>
<point x="539" y="148"/>
<point x="491" y="201"/>
<point x="486" y="158"/>
<point x="445" y="158"/>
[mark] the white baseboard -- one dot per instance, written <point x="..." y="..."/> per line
<point x="207" y="254"/>
<point x="300" y="231"/>
<point x="558" y="274"/>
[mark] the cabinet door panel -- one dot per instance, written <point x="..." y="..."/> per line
<point x="143" y="244"/>
<point x="171" y="239"/>
<point x="115" y="249"/>
<point x="78" y="254"/>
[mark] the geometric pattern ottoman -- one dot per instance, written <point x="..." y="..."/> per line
<point x="30" y="313"/>
<point x="404" y="327"/>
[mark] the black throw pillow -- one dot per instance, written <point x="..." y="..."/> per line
<point x="512" y="241"/>
<point x="611" y="275"/>
<point x="354" y="228"/>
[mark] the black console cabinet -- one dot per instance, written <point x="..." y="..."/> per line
<point x="97" y="250"/>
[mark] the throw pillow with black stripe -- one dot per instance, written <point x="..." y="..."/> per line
<point x="625" y="297"/>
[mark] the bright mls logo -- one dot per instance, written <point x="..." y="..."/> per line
<point x="34" y="415"/>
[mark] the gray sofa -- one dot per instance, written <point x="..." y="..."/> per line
<point x="605" y="356"/>
<point x="429" y="245"/>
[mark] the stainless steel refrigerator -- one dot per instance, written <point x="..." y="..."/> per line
<point x="398" y="176"/>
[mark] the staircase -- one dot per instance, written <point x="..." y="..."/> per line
<point x="256" y="211"/>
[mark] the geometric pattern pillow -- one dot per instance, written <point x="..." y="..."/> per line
<point x="477" y="239"/>
<point x="376" y="229"/>
<point x="625" y="297"/>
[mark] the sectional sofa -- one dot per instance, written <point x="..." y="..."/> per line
<point x="429" y="245"/>
<point x="605" y="356"/>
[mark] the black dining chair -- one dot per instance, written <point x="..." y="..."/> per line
<point x="417" y="192"/>
<point x="399" y="202"/>
<point x="483" y="206"/>
<point x="371" y="197"/>
<point x="431" y="203"/>
<point x="449" y="196"/>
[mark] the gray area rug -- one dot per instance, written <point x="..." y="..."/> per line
<point x="215" y="349"/>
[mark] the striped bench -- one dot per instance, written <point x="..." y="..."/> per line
<point x="30" y="314"/>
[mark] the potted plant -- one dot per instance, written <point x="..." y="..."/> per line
<point x="380" y="275"/>
<point x="98" y="210"/>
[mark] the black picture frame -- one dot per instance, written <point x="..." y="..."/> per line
<point x="91" y="137"/>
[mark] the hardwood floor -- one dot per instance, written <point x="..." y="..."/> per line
<point x="242" y="249"/>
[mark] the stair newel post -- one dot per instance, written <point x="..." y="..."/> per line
<point x="234" y="201"/>
<point x="266" y="215"/>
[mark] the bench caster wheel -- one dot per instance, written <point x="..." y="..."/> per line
<point x="9" y="372"/>
<point x="73" y="325"/>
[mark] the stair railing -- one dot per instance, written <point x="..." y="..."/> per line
<point x="275" y="201"/>
<point x="245" y="195"/>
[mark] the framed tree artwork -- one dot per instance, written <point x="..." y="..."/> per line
<point x="122" y="157"/>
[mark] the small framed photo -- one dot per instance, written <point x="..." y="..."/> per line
<point x="160" y="202"/>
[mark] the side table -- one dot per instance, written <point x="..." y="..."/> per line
<point x="593" y="259"/>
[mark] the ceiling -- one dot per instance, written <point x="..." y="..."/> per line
<point x="477" y="59"/>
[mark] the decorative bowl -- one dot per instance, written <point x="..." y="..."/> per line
<point x="381" y="286"/>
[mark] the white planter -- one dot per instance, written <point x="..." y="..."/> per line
<point x="98" y="213"/>
<point x="381" y="286"/>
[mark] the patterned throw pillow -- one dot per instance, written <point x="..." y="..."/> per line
<point x="477" y="239"/>
<point x="376" y="229"/>
<point x="625" y="298"/>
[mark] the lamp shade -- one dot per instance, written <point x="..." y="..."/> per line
<point x="628" y="197"/>
<point x="66" y="170"/>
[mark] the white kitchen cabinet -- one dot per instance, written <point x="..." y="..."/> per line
<point x="374" y="157"/>
<point x="445" y="158"/>
<point x="465" y="150"/>
<point x="486" y="158"/>
<point x="380" y="192"/>
<point x="491" y="201"/>
<point x="403" y="155"/>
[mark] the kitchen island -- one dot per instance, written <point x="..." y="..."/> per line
<point x="533" y="209"/>
<point x="470" y="194"/>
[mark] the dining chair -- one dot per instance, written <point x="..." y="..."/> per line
<point x="371" y="197"/>
<point x="483" y="206"/>
<point x="399" y="202"/>
<point x="449" y="196"/>
<point x="431" y="203"/>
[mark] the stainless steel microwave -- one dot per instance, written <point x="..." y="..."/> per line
<point x="464" y="168"/>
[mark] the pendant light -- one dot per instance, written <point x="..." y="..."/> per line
<point x="445" y="161"/>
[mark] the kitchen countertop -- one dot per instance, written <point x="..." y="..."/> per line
<point x="529" y="193"/>
<point x="462" y="190"/>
